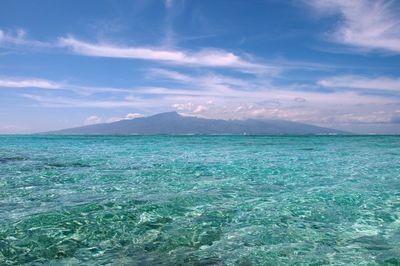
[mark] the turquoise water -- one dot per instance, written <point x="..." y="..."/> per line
<point x="200" y="200"/>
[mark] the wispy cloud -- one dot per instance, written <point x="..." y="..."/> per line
<point x="257" y="88"/>
<point x="67" y="102"/>
<point x="360" y="82"/>
<point x="168" y="3"/>
<point x="210" y="57"/>
<point x="211" y="81"/>
<point x="29" y="83"/>
<point x="160" y="73"/>
<point x="19" y="38"/>
<point x="40" y="83"/>
<point x="169" y="32"/>
<point x="133" y="115"/>
<point x="206" y="58"/>
<point x="93" y="119"/>
<point x="367" y="24"/>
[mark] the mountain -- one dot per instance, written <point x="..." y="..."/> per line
<point x="174" y="123"/>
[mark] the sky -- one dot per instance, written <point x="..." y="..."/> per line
<point x="333" y="63"/>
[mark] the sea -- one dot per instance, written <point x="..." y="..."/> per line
<point x="199" y="200"/>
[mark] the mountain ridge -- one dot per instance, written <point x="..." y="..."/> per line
<point x="174" y="123"/>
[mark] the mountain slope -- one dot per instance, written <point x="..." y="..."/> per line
<point x="173" y="123"/>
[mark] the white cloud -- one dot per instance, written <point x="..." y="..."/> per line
<point x="360" y="82"/>
<point x="371" y="117"/>
<point x="368" y="24"/>
<point x="200" y="108"/>
<point x="253" y="90"/>
<point x="91" y="120"/>
<point x="67" y="102"/>
<point x="209" y="84"/>
<point x="94" y="119"/>
<point x="133" y="115"/>
<point x="183" y="106"/>
<point x="18" y="38"/>
<point x="206" y="58"/>
<point x="168" y="74"/>
<point x="128" y="116"/>
<point x="319" y="113"/>
<point x="29" y="83"/>
<point x="210" y="57"/>
<point x="21" y="82"/>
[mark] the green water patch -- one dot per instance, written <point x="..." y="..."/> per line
<point x="199" y="200"/>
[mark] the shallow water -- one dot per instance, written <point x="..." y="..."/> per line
<point x="200" y="200"/>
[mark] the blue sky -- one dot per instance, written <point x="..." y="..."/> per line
<point x="323" y="62"/>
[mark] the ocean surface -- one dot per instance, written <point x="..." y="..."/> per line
<point x="200" y="200"/>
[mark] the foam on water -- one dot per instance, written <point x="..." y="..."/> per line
<point x="200" y="200"/>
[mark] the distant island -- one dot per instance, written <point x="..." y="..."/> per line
<point x="174" y="123"/>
